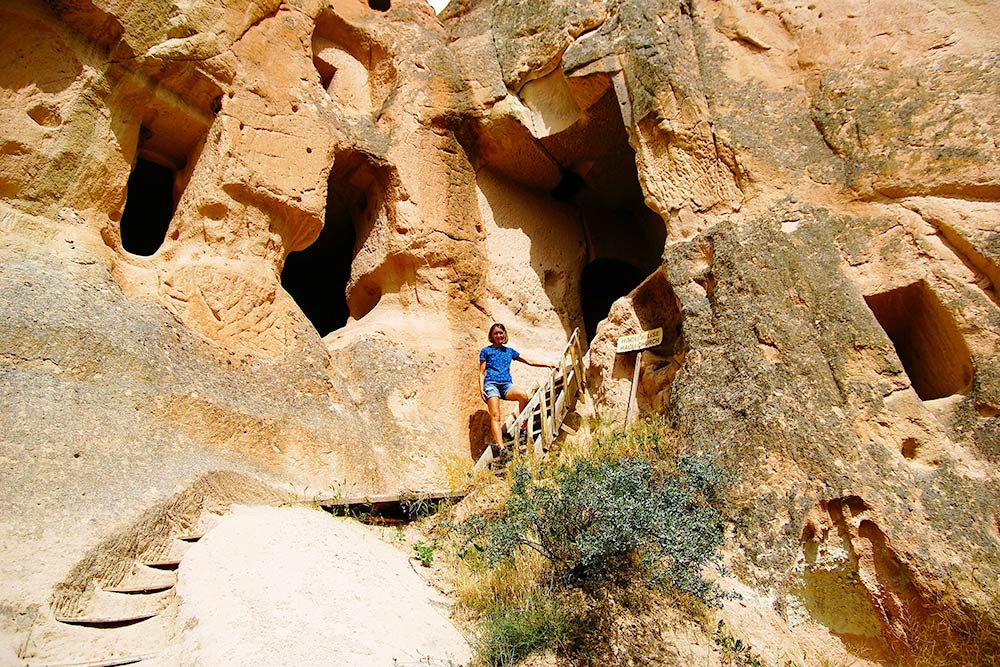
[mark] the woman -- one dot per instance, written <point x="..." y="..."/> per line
<point x="495" y="382"/>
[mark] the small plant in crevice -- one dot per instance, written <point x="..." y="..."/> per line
<point x="735" y="652"/>
<point x="425" y="552"/>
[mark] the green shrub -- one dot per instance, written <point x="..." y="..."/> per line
<point x="596" y="517"/>
<point x="734" y="652"/>
<point x="424" y="552"/>
<point x="508" y="634"/>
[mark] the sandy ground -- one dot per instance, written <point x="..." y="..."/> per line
<point x="296" y="586"/>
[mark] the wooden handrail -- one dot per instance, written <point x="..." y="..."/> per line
<point x="546" y="397"/>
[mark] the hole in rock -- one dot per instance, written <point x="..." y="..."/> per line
<point x="569" y="185"/>
<point x="391" y="510"/>
<point x="927" y="340"/>
<point x="987" y="411"/>
<point x="379" y="5"/>
<point x="319" y="277"/>
<point x="168" y="142"/>
<point x="909" y="448"/>
<point x="626" y="238"/>
<point x="601" y="283"/>
<point x="149" y="206"/>
<point x="574" y="147"/>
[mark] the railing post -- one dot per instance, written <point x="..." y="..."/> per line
<point x="544" y="414"/>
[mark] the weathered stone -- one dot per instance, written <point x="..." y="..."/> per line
<point x="803" y="196"/>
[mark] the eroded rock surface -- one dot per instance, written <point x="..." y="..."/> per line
<point x="268" y="238"/>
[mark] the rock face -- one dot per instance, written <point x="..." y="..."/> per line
<point x="268" y="238"/>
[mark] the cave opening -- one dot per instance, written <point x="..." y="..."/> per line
<point x="149" y="207"/>
<point x="600" y="180"/>
<point x="927" y="340"/>
<point x="354" y="66"/>
<point x="569" y="143"/>
<point x="319" y="277"/>
<point x="602" y="282"/>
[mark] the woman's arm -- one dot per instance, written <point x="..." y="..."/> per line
<point x="530" y="362"/>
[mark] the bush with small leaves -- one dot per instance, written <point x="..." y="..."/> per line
<point x="593" y="518"/>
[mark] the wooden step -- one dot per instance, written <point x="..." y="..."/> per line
<point x="485" y="460"/>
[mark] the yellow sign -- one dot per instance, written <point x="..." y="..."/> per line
<point x="640" y="341"/>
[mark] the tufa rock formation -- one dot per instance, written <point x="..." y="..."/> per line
<point x="265" y="240"/>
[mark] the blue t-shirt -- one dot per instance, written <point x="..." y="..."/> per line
<point x="498" y="361"/>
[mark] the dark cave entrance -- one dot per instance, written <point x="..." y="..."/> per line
<point x="601" y="181"/>
<point x="927" y="340"/>
<point x="149" y="207"/>
<point x="570" y="142"/>
<point x="602" y="282"/>
<point x="318" y="277"/>
<point x="168" y="143"/>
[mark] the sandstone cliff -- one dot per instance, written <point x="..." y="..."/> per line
<point x="267" y="238"/>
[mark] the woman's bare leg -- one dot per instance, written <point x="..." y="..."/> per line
<point x="493" y="403"/>
<point x="519" y="395"/>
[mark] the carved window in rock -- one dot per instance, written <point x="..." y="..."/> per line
<point x="169" y="139"/>
<point x="927" y="340"/>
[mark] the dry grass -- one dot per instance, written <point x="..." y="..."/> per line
<point x="601" y="440"/>
<point x="614" y="606"/>
<point x="949" y="637"/>
<point x="509" y="584"/>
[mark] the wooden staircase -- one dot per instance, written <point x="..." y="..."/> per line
<point x="536" y="427"/>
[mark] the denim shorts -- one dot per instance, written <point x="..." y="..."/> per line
<point x="498" y="389"/>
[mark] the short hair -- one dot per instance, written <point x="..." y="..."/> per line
<point x="497" y="325"/>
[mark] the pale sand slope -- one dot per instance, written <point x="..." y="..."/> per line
<point x="296" y="586"/>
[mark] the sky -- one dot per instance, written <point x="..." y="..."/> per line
<point x="438" y="5"/>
